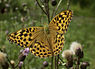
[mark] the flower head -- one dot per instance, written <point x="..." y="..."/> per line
<point x="45" y="63"/>
<point x="23" y="54"/>
<point x="20" y="64"/>
<point x="84" y="65"/>
<point x="26" y="51"/>
<point x="75" y="46"/>
<point x="2" y="58"/>
<point x="12" y="62"/>
<point x="77" y="50"/>
<point x="53" y="2"/>
<point x="6" y="32"/>
<point x="67" y="54"/>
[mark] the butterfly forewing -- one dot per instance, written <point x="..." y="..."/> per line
<point x="25" y="36"/>
<point x="61" y="21"/>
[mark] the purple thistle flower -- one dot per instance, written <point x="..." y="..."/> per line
<point x="6" y="32"/>
<point x="26" y="51"/>
<point x="23" y="54"/>
<point x="45" y="63"/>
<point x="20" y="64"/>
<point x="84" y="65"/>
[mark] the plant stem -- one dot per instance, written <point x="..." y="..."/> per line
<point x="61" y="60"/>
<point x="52" y="62"/>
<point x="53" y="13"/>
<point x="68" y="4"/>
<point x="78" y="62"/>
<point x="56" y="8"/>
<point x="47" y="10"/>
<point x="57" y="61"/>
<point x="41" y="7"/>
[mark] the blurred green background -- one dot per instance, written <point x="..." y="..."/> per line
<point x="17" y="14"/>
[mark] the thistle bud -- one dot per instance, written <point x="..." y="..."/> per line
<point x="20" y="64"/>
<point x="12" y="63"/>
<point x="22" y="57"/>
<point x="5" y="66"/>
<point x="3" y="10"/>
<point x="79" y="53"/>
<point x="44" y="1"/>
<point x="45" y="63"/>
<point x="26" y="51"/>
<point x="68" y="55"/>
<point x="69" y="63"/>
<point x="16" y="8"/>
<point x="7" y="5"/>
<point x="2" y="58"/>
<point x="3" y="61"/>
<point x="72" y="67"/>
<point x="84" y="65"/>
<point x="59" y="63"/>
<point x="6" y="32"/>
<point x="3" y="49"/>
<point x="23" y="19"/>
<point x="77" y="50"/>
<point x="53" y="2"/>
<point x="24" y="4"/>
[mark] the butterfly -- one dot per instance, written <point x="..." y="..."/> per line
<point x="44" y="41"/>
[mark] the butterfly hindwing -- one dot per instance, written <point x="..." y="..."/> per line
<point x="58" y="26"/>
<point x="41" y="47"/>
<point x="58" y="43"/>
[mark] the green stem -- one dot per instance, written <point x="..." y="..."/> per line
<point x="52" y="62"/>
<point x="47" y="10"/>
<point x="56" y="8"/>
<point x="57" y="61"/>
<point x="41" y="7"/>
<point x="61" y="60"/>
<point x="68" y="4"/>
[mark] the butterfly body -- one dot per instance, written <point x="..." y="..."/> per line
<point x="44" y="41"/>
